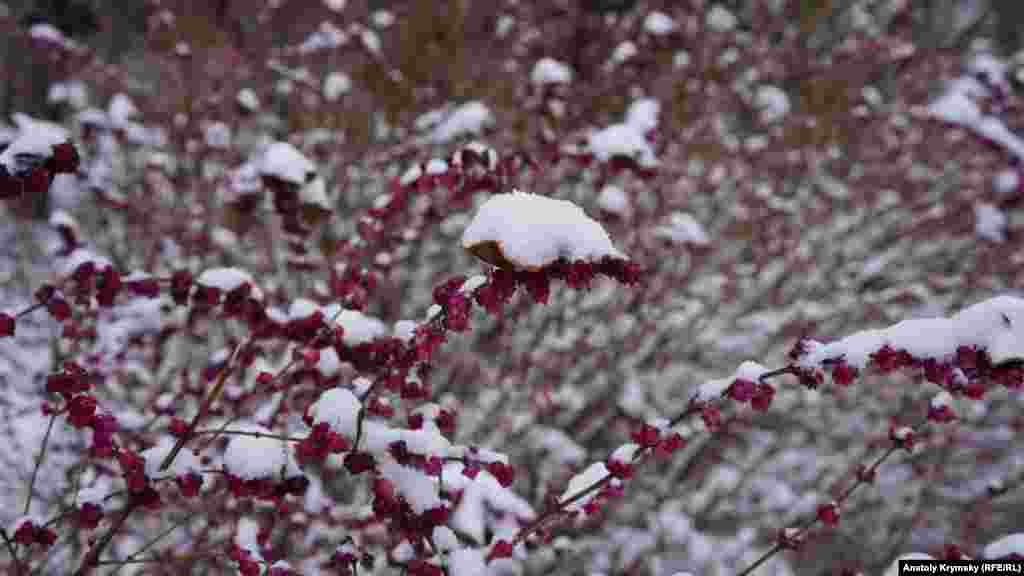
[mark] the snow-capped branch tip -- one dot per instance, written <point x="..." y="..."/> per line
<point x="522" y="231"/>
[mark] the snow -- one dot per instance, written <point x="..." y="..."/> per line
<point x="408" y="177"/>
<point x="444" y="538"/>
<point x="1012" y="544"/>
<point x="467" y="119"/>
<point x="357" y="326"/>
<point x="383" y="18"/>
<point x="772" y="102"/>
<point x="583" y="480"/>
<point x="628" y="138"/>
<point x="252" y="457"/>
<point x="35" y="138"/>
<point x="625" y="453"/>
<point x="339" y="408"/>
<point x="659" y="23"/>
<point x="941" y="400"/>
<point x="370" y="40"/>
<point x="247" y="536"/>
<point x="996" y="325"/>
<point x="560" y="445"/>
<point x="418" y="489"/>
<point x="227" y="279"/>
<point x="61" y="219"/>
<point x="315" y="194"/>
<point x="436" y="166"/>
<point x="720" y="19"/>
<point x="21" y="520"/>
<point x="80" y="256"/>
<point x="92" y="117"/>
<point x="184" y="462"/>
<point x="990" y="222"/>
<point x="681" y="59"/>
<point x="467" y="562"/>
<point x="990" y="68"/>
<point x="504" y="25"/>
<point x="683" y="228"/>
<point x="712" y="389"/>
<point x="472" y="283"/>
<point x="247" y="99"/>
<point x="481" y="497"/>
<point x="218" y="135"/>
<point x="336" y="84"/>
<point x="326" y="37"/>
<point x="121" y="110"/>
<point x="612" y="199"/>
<point x="959" y="104"/>
<point x="643" y="114"/>
<point x="427" y="441"/>
<point x="283" y="161"/>
<point x="1006" y="181"/>
<point x="532" y="231"/>
<point x="624" y="51"/>
<point x="621" y="140"/>
<point x="551" y="71"/>
<point x="49" y="33"/>
<point x="404" y="330"/>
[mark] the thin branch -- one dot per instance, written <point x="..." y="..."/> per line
<point x="204" y="408"/>
<point x="92" y="557"/>
<point x="11" y="550"/>
<point x="778" y="547"/>
<point x="39" y="462"/>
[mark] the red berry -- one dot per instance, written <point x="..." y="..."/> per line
<point x="6" y="325"/>
<point x="501" y="549"/>
<point x="829" y="513"/>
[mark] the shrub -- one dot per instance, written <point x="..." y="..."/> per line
<point x="742" y="300"/>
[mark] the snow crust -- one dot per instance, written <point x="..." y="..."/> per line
<point x="35" y="138"/>
<point x="533" y="231"/>
<point x="581" y="481"/>
<point x="418" y="489"/>
<point x="339" y="408"/>
<point x="961" y="104"/>
<point x="996" y="325"/>
<point x="252" y="457"/>
<point x="227" y="279"/>
<point x="712" y="389"/>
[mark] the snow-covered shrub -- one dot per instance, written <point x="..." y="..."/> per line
<point x="658" y="290"/>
